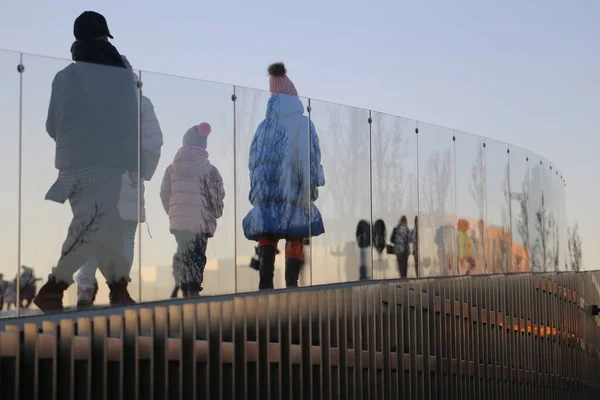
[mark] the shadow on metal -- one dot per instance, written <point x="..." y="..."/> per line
<point x="473" y="337"/>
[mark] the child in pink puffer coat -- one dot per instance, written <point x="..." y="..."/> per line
<point x="192" y="194"/>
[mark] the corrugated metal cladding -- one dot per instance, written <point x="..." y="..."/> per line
<point x="520" y="336"/>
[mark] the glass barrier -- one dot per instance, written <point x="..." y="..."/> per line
<point x="9" y="162"/>
<point x="345" y="200"/>
<point x="250" y="112"/>
<point x="547" y="218"/>
<point x="554" y="245"/>
<point x="498" y="231"/>
<point x="394" y="195"/>
<point x="339" y="189"/>
<point x="519" y="206"/>
<point x="538" y="211"/>
<point x="557" y="256"/>
<point x="564" y="222"/>
<point x="91" y="135"/>
<point x="437" y="202"/>
<point x="189" y="200"/>
<point x="471" y="203"/>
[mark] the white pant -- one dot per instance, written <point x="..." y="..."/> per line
<point x="85" y="277"/>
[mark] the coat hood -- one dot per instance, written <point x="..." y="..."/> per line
<point x="284" y="106"/>
<point x="189" y="160"/>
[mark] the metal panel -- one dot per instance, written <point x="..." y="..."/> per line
<point x="514" y="336"/>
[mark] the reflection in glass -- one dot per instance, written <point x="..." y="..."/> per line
<point x="192" y="224"/>
<point x="250" y="110"/>
<point x="276" y="205"/>
<point x="542" y="224"/>
<point x="346" y="198"/>
<point x="498" y="230"/>
<point x="470" y="203"/>
<point x="93" y="143"/>
<point x="520" y="216"/>
<point x="9" y="162"/>
<point x="394" y="170"/>
<point x="437" y="208"/>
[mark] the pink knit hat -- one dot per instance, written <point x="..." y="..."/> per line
<point x="196" y="135"/>
<point x="279" y="83"/>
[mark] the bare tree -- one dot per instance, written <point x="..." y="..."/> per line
<point x="345" y="150"/>
<point x="436" y="190"/>
<point x="523" y="218"/>
<point x="436" y="183"/>
<point x="477" y="185"/>
<point x="575" y="252"/>
<point x="542" y="257"/>
<point x="80" y="235"/>
<point x="477" y="190"/>
<point x="556" y="250"/>
<point x="505" y="234"/>
<point x="390" y="150"/>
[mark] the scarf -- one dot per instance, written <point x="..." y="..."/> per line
<point x="197" y="149"/>
<point x="96" y="52"/>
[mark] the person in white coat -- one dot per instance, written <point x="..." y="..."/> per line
<point x="152" y="141"/>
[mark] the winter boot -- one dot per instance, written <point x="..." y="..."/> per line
<point x="49" y="298"/>
<point x="292" y="272"/>
<point x="191" y="290"/>
<point x="86" y="296"/>
<point x="119" y="296"/>
<point x="267" y="267"/>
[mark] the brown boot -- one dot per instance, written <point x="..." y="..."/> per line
<point x="49" y="298"/>
<point x="119" y="296"/>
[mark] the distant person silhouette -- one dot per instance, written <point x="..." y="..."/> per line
<point x="363" y="240"/>
<point x="401" y="240"/>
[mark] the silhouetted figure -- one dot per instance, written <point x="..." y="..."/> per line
<point x="192" y="195"/>
<point x="93" y="119"/>
<point x="401" y="240"/>
<point x="285" y="174"/>
<point x="363" y="240"/>
<point x="379" y="236"/>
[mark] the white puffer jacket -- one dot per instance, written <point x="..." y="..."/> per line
<point x="152" y="141"/>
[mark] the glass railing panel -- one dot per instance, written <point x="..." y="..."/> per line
<point x="89" y="113"/>
<point x="437" y="209"/>
<point x="519" y="206"/>
<point x="274" y="178"/>
<point x="9" y="162"/>
<point x="187" y="240"/>
<point x="547" y="219"/>
<point x="395" y="196"/>
<point x="345" y="200"/>
<point x="471" y="203"/>
<point x="538" y="229"/>
<point x="498" y="228"/>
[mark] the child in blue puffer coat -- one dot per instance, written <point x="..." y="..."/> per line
<point x="285" y="173"/>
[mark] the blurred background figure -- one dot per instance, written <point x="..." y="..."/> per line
<point x="363" y="240"/>
<point x="400" y="239"/>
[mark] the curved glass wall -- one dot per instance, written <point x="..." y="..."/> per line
<point x="340" y="194"/>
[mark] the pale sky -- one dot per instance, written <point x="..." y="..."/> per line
<point x="526" y="74"/>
